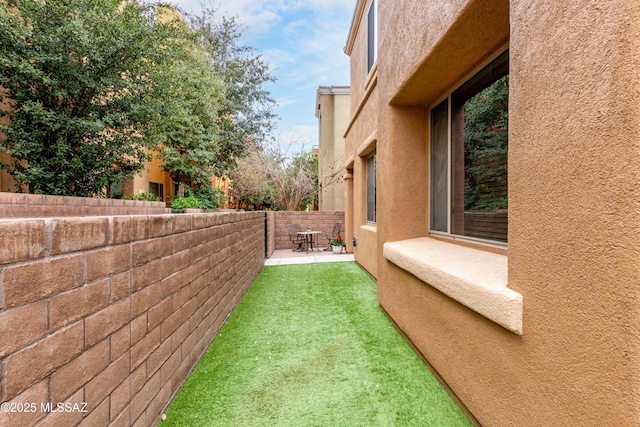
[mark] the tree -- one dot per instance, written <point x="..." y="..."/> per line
<point x="304" y="167"/>
<point x="191" y="147"/>
<point x="250" y="183"/>
<point x="291" y="183"/>
<point x="223" y="106"/>
<point x="189" y="96"/>
<point x="246" y="116"/>
<point x="332" y="173"/>
<point x="75" y="74"/>
<point x="94" y="85"/>
<point x="486" y="146"/>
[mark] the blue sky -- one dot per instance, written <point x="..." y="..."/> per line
<point x="303" y="41"/>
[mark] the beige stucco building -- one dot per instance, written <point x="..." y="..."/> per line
<point x="332" y="111"/>
<point x="524" y="299"/>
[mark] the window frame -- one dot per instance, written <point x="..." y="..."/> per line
<point x="448" y="98"/>
<point x="371" y="215"/>
<point x="372" y="35"/>
<point x="160" y="187"/>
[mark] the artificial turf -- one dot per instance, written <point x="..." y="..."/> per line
<point x="309" y="346"/>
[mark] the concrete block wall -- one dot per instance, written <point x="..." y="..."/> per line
<point x="17" y="205"/>
<point x="271" y="233"/>
<point x="108" y="315"/>
<point x="314" y="220"/>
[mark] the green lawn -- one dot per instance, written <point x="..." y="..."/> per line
<point x="309" y="346"/>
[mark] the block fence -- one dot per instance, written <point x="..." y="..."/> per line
<point x="16" y="205"/>
<point x="314" y="220"/>
<point x="270" y="233"/>
<point x="108" y="315"/>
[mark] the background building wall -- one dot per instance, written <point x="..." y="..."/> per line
<point x="7" y="182"/>
<point x="333" y="117"/>
<point x="574" y="203"/>
<point x="116" y="311"/>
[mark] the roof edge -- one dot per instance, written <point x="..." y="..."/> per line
<point x="355" y="25"/>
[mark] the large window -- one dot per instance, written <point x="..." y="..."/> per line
<point x="372" y="36"/>
<point x="468" y="157"/>
<point x="371" y="189"/>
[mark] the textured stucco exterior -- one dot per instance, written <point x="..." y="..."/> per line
<point x="573" y="251"/>
<point x="361" y="139"/>
<point x="332" y="111"/>
<point x="7" y="182"/>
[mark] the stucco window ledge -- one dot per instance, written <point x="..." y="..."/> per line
<point x="474" y="278"/>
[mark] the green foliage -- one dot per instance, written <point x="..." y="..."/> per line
<point x="143" y="196"/>
<point x="204" y="198"/>
<point x="189" y="96"/>
<point x="337" y="242"/>
<point x="486" y="147"/>
<point x="208" y="197"/>
<point x="93" y="85"/>
<point x="217" y="105"/>
<point x="74" y="73"/>
<point x="246" y="115"/>
<point x="190" y="202"/>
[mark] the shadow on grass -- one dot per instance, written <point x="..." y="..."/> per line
<point x="309" y="346"/>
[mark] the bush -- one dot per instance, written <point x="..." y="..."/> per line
<point x="150" y="197"/>
<point x="190" y="202"/>
<point x="209" y="198"/>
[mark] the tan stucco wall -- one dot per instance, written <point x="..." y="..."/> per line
<point x="7" y="182"/>
<point x="361" y="139"/>
<point x="574" y="201"/>
<point x="152" y="172"/>
<point x="333" y="117"/>
<point x="139" y="184"/>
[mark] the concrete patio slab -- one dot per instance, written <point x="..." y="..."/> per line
<point x="287" y="256"/>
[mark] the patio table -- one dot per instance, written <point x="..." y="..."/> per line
<point x="309" y="239"/>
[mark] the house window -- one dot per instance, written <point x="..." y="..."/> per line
<point x="157" y="189"/>
<point x="468" y="157"/>
<point x="371" y="189"/>
<point x="372" y="35"/>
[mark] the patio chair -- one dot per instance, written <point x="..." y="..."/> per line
<point x="295" y="238"/>
<point x="335" y="233"/>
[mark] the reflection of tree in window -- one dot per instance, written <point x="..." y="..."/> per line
<point x="486" y="143"/>
<point x="479" y="146"/>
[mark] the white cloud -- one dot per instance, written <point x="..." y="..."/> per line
<point x="287" y="100"/>
<point x="278" y="58"/>
<point x="300" y="135"/>
<point x="313" y="41"/>
<point x="303" y="42"/>
<point x="262" y="16"/>
<point x="314" y="55"/>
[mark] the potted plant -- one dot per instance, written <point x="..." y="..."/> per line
<point x="337" y="245"/>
